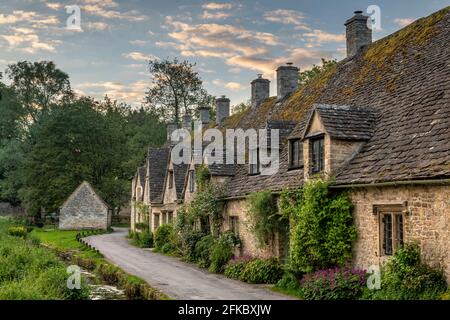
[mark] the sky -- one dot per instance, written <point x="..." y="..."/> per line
<point x="229" y="41"/>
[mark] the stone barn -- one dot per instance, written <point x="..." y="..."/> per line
<point x="84" y="209"/>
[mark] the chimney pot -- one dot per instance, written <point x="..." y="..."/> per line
<point x="287" y="80"/>
<point x="358" y="33"/>
<point x="204" y="114"/>
<point x="171" y="127"/>
<point x="187" y="122"/>
<point x="222" y="108"/>
<point x="260" y="91"/>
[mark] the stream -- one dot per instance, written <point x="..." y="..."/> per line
<point x="99" y="291"/>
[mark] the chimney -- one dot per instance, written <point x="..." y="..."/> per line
<point x="287" y="80"/>
<point x="358" y="33"/>
<point x="171" y="127"/>
<point x="260" y="91"/>
<point x="222" y="108"/>
<point x="187" y="122"/>
<point x="204" y="114"/>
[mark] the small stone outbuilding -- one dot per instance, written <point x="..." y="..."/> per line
<point x="84" y="209"/>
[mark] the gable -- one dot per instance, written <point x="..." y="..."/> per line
<point x="84" y="193"/>
<point x="315" y="126"/>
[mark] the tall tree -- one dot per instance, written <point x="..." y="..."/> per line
<point x="308" y="75"/>
<point x="38" y="86"/>
<point x="176" y="88"/>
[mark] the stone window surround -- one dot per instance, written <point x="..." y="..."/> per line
<point x="394" y="209"/>
<point x="322" y="165"/>
<point x="252" y="167"/>
<point x="300" y="151"/>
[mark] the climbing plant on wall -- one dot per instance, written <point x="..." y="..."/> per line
<point x="266" y="219"/>
<point x="322" y="230"/>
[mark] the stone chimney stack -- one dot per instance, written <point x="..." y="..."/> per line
<point x="187" y="122"/>
<point x="287" y="80"/>
<point x="171" y="127"/>
<point x="358" y="33"/>
<point x="260" y="91"/>
<point x="204" y="114"/>
<point x="223" y="108"/>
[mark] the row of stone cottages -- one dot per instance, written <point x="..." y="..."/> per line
<point x="378" y="123"/>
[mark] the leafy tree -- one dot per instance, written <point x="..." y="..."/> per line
<point x="38" y="86"/>
<point x="176" y="88"/>
<point x="308" y="75"/>
<point x="71" y="144"/>
<point x="241" y="107"/>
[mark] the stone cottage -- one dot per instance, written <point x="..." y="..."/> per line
<point x="84" y="209"/>
<point x="377" y="124"/>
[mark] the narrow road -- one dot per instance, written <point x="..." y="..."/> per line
<point x="175" y="278"/>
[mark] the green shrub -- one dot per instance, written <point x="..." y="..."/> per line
<point x="446" y="295"/>
<point x="235" y="268"/>
<point x="18" y="232"/>
<point x="141" y="226"/>
<point x="162" y="236"/>
<point x="143" y="239"/>
<point x="222" y="251"/>
<point x="405" y="277"/>
<point x="168" y="248"/>
<point x="189" y="242"/>
<point x="289" y="282"/>
<point x="202" y="251"/>
<point x="262" y="271"/>
<point x="322" y="230"/>
<point x="333" y="284"/>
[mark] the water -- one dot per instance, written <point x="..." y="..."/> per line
<point x="100" y="291"/>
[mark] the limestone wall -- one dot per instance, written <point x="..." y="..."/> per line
<point x="428" y="222"/>
<point x="84" y="210"/>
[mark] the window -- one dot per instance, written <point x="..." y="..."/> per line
<point x="295" y="154"/>
<point x="169" y="217"/>
<point x="164" y="218"/>
<point x="234" y="224"/>
<point x="170" y="179"/>
<point x="254" y="161"/>
<point x="392" y="231"/>
<point x="155" y="221"/>
<point x="317" y="155"/>
<point x="191" y="181"/>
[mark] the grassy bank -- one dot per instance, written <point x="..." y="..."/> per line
<point x="66" y="246"/>
<point x="30" y="272"/>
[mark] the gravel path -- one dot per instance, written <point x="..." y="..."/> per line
<point x="177" y="279"/>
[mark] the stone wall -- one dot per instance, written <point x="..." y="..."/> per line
<point x="7" y="209"/>
<point x="250" y="244"/>
<point x="84" y="210"/>
<point x="428" y="222"/>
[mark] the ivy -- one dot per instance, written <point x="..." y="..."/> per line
<point x="322" y="230"/>
<point x="266" y="218"/>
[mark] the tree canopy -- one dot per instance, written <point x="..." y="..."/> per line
<point x="50" y="140"/>
<point x="176" y="88"/>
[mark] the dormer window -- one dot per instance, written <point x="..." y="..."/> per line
<point x="317" y="154"/>
<point x="295" y="153"/>
<point x="170" y="179"/>
<point x="254" y="162"/>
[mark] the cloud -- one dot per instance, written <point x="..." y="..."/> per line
<point x="287" y="17"/>
<point x="27" y="16"/>
<point x="132" y="93"/>
<point x="219" y="15"/>
<point x="139" y="56"/>
<point x="217" y="6"/>
<point x="301" y="57"/>
<point x="217" y="40"/>
<point x="109" y="9"/>
<point x="53" y="5"/>
<point x="29" y="42"/>
<point x="233" y="86"/>
<point x="403" y="22"/>
<point x="319" y="36"/>
<point x="97" y="25"/>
